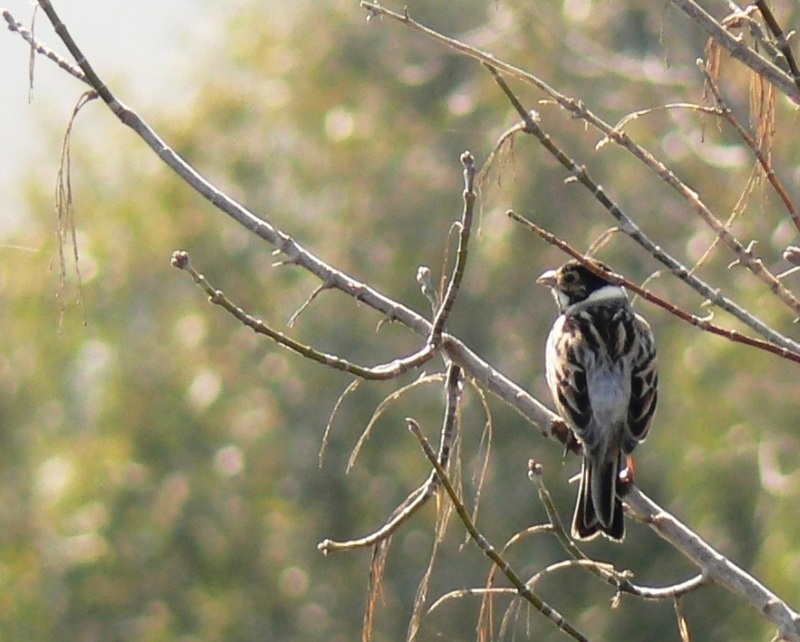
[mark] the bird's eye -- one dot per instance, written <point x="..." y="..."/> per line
<point x="569" y="278"/>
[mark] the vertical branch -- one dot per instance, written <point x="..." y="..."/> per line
<point x="782" y="39"/>
<point x="454" y="389"/>
<point x="521" y="587"/>
<point x="468" y="161"/>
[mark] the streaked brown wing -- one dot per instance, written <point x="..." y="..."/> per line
<point x="567" y="374"/>
<point x="644" y="385"/>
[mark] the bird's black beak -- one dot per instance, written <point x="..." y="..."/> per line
<point x="548" y="278"/>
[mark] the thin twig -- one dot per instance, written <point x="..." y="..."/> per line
<point x="764" y="161"/>
<point x="415" y="500"/>
<point x="782" y="40"/>
<point x="698" y="322"/>
<point x="468" y="592"/>
<point x="422" y="494"/>
<point x="91" y="77"/>
<point x="743" y="253"/>
<point x="465" y="228"/>
<point x="18" y="27"/>
<point x="522" y="589"/>
<point x="351" y="387"/>
<point x="606" y="572"/>
<point x="314" y="294"/>
<point x="383" y="372"/>
<point x="635" y="115"/>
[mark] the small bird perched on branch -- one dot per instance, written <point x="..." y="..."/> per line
<point x="601" y="369"/>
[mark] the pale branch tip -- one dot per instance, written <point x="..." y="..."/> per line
<point x="37" y="47"/>
<point x="465" y="229"/>
<point x="180" y="259"/>
<point x="792" y="254"/>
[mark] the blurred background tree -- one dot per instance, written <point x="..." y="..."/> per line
<point x="160" y="463"/>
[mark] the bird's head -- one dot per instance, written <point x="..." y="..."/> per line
<point x="573" y="284"/>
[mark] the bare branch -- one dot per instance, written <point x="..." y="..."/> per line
<point x="410" y="505"/>
<point x="743" y="253"/>
<point x="763" y="159"/>
<point x="468" y="592"/>
<point x="737" y="48"/>
<point x="476" y="368"/>
<point x="715" y="566"/>
<point x="579" y="110"/>
<point x="522" y="589"/>
<point x="465" y="228"/>
<point x="783" y="45"/>
<point x="292" y="319"/>
<point x="392" y="370"/>
<point x="698" y="322"/>
<point x="18" y="27"/>
<point x="421" y="495"/>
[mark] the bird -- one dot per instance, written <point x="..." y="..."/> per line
<point x="602" y="371"/>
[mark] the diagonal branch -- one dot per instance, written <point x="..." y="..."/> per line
<point x="478" y="369"/>
<point x="715" y="566"/>
<point x="523" y="590"/>
<point x="27" y="36"/>
<point x="761" y="157"/>
<point x="692" y="319"/>
<point x="782" y="39"/>
<point x="579" y="110"/>
<point x="628" y="226"/>
<point x="737" y="48"/>
<point x="744" y="254"/>
<point x="392" y="370"/>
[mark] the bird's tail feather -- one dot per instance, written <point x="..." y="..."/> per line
<point x="599" y="509"/>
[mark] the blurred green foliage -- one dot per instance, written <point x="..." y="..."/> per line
<point x="160" y="476"/>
